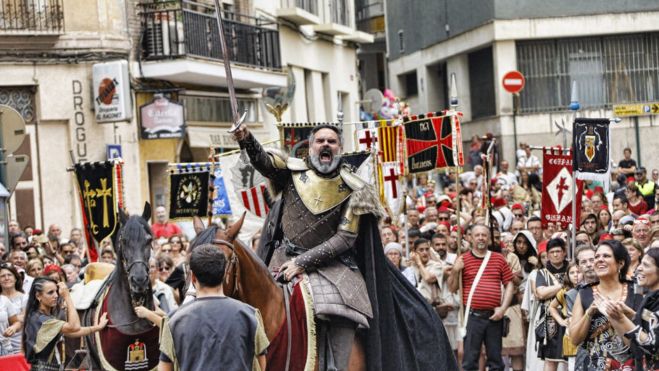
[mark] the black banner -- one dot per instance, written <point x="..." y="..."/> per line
<point x="429" y="144"/>
<point x="96" y="185"/>
<point x="591" y="149"/>
<point x="188" y="195"/>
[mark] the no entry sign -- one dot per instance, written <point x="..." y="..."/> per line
<point x="513" y="82"/>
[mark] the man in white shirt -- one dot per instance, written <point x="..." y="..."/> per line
<point x="528" y="162"/>
<point x="505" y="177"/>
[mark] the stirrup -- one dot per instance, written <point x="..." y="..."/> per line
<point x="80" y="361"/>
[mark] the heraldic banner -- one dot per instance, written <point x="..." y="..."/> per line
<point x="188" y="193"/>
<point x="557" y="184"/>
<point x="591" y="142"/>
<point x="432" y="142"/>
<point x="98" y="194"/>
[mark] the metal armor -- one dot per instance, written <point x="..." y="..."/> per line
<point x="319" y="231"/>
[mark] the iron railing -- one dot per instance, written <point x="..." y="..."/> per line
<point x="608" y="70"/>
<point x="180" y="28"/>
<point x="32" y="16"/>
<point x="310" y="6"/>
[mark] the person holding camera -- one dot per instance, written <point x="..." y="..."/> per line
<point x="44" y="325"/>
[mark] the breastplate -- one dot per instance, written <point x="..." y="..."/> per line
<point x="302" y="226"/>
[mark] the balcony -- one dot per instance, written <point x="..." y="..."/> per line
<point x="370" y="18"/>
<point x="338" y="15"/>
<point x="181" y="43"/>
<point x="31" y="17"/>
<point x="301" y="12"/>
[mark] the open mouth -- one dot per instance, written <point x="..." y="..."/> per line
<point x="325" y="155"/>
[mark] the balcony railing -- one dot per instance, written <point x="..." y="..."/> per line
<point x="310" y="6"/>
<point x="175" y="29"/>
<point x="31" y="16"/>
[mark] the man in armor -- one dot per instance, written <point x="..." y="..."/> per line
<point x="320" y="227"/>
<point x="323" y="225"/>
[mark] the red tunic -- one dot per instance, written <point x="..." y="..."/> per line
<point x="165" y="230"/>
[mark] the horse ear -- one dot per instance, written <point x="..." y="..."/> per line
<point x="198" y="224"/>
<point x="233" y="231"/>
<point x="123" y="217"/>
<point x="146" y="214"/>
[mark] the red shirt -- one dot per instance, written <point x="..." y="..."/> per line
<point x="640" y="208"/>
<point x="487" y="295"/>
<point x="165" y="230"/>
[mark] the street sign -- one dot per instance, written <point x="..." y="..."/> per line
<point x="15" y="168"/>
<point x="513" y="82"/>
<point x="641" y="109"/>
<point x="13" y="129"/>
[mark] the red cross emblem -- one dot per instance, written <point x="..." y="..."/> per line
<point x="415" y="146"/>
<point x="291" y="141"/>
<point x="367" y="138"/>
<point x="392" y="178"/>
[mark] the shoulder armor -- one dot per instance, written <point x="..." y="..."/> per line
<point x="352" y="180"/>
<point x="296" y="164"/>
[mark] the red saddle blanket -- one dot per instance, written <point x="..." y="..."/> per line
<point x="303" y="339"/>
<point x="127" y="352"/>
<point x="14" y="362"/>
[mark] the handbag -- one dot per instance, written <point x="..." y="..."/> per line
<point x="462" y="330"/>
<point x="541" y="326"/>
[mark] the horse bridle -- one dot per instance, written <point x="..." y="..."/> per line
<point x="233" y="263"/>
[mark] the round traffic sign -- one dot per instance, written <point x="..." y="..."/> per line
<point x="513" y="81"/>
<point x="12" y="126"/>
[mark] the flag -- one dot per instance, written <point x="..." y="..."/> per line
<point x="98" y="194"/>
<point x="254" y="200"/>
<point x="221" y="204"/>
<point x="249" y="185"/>
<point x="557" y="186"/>
<point x="391" y="189"/>
<point x="432" y="143"/>
<point x="591" y="142"/>
<point x="362" y="164"/>
<point x="367" y="139"/>
<point x="295" y="138"/>
<point x="188" y="192"/>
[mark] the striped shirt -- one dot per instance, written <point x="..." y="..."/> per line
<point x="487" y="295"/>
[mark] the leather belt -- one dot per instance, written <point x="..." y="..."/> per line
<point x="482" y="313"/>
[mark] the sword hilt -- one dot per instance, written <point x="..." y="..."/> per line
<point x="236" y="124"/>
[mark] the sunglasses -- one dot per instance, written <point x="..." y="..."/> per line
<point x="176" y="241"/>
<point x="164" y="269"/>
<point x="166" y="250"/>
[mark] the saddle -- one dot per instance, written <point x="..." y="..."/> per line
<point x="84" y="293"/>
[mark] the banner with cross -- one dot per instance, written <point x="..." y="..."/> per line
<point x="97" y="184"/>
<point x="433" y="141"/>
<point x="366" y="135"/>
<point x="557" y="186"/>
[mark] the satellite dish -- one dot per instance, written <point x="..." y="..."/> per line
<point x="278" y="95"/>
<point x="373" y="100"/>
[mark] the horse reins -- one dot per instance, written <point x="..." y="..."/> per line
<point x="233" y="263"/>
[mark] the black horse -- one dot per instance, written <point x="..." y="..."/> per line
<point x="128" y="342"/>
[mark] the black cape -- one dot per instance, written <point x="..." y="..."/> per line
<point x="405" y="332"/>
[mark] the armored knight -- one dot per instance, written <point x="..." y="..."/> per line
<point x="322" y="201"/>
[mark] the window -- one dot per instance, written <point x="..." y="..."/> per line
<point x="608" y="70"/>
<point x="217" y="109"/>
<point x="409" y="83"/>
<point x="481" y="83"/>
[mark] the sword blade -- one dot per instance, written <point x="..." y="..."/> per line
<point x="236" y="117"/>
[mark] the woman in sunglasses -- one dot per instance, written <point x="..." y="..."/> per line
<point x="177" y="252"/>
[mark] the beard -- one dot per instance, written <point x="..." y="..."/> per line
<point x="325" y="168"/>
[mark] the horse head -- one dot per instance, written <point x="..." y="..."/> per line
<point x="133" y="247"/>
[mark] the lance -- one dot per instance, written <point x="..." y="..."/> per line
<point x="236" y="118"/>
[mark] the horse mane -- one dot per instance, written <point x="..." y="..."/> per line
<point x="204" y="237"/>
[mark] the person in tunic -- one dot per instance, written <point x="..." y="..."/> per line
<point x="548" y="283"/>
<point x="43" y="326"/>
<point x="590" y="314"/>
<point x="213" y="330"/>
